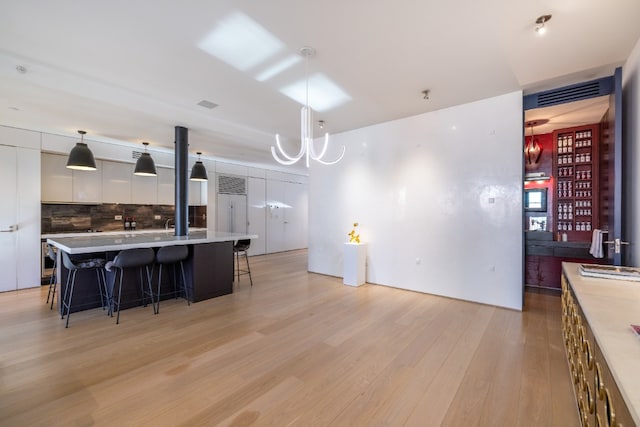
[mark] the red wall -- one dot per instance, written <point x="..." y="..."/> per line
<point x="544" y="164"/>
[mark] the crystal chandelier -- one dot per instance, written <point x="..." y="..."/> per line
<point x="307" y="148"/>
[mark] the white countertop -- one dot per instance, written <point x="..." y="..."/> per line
<point x="610" y="306"/>
<point x="105" y="242"/>
<point x="114" y="233"/>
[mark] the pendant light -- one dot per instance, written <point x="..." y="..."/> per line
<point x="145" y="165"/>
<point x="198" y="172"/>
<point x="80" y="157"/>
<point x="307" y="150"/>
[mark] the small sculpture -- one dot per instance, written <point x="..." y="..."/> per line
<point x="353" y="237"/>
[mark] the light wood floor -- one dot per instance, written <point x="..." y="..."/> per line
<point x="296" y="349"/>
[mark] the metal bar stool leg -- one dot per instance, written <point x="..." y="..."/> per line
<point x="53" y="283"/>
<point x="184" y="284"/>
<point x="246" y="258"/>
<point x="67" y="303"/>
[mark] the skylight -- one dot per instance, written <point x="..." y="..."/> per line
<point x="240" y="42"/>
<point x="324" y="94"/>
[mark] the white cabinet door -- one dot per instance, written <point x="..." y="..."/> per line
<point x="29" y="212"/>
<point x="275" y="216"/>
<point x="232" y="213"/>
<point x="8" y="218"/>
<point x="144" y="190"/>
<point x="256" y="214"/>
<point x="87" y="185"/>
<point x="166" y="186"/>
<point x="116" y="182"/>
<point x="195" y="198"/>
<point x="19" y="218"/>
<point x="56" y="180"/>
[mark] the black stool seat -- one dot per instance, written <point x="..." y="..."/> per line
<point x="74" y="266"/>
<point x="172" y="255"/>
<point x="139" y="258"/>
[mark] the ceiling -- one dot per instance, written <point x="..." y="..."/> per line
<point x="133" y="70"/>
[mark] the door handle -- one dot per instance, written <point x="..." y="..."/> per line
<point x="617" y="244"/>
<point x="11" y="229"/>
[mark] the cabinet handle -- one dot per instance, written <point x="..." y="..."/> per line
<point x="591" y="404"/>
<point x="11" y="229"/>
<point x="589" y="355"/>
<point x="610" y="413"/>
<point x="599" y="383"/>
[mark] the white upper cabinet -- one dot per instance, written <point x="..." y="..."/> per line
<point x="116" y="182"/>
<point x="60" y="184"/>
<point x="87" y="185"/>
<point x="166" y="186"/>
<point x="195" y="198"/>
<point x="56" y="179"/>
<point x="144" y="189"/>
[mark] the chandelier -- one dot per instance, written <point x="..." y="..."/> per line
<point x="307" y="148"/>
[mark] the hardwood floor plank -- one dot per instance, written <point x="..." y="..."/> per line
<point x="295" y="349"/>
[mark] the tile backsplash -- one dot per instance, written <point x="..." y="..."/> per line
<point x="66" y="218"/>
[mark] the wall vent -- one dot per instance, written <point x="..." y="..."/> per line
<point x="576" y="92"/>
<point x="135" y="155"/>
<point x="231" y="185"/>
<point x="570" y="94"/>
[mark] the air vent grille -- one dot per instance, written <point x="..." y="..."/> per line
<point x="207" y="104"/>
<point x="570" y="94"/>
<point x="576" y="92"/>
<point x="231" y="185"/>
<point x="136" y="154"/>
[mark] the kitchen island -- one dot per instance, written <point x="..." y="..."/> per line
<point x="209" y="267"/>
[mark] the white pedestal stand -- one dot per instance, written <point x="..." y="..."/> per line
<point x="355" y="259"/>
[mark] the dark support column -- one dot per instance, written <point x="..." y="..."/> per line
<point x="182" y="181"/>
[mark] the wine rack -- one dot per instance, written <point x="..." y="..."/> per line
<point x="575" y="168"/>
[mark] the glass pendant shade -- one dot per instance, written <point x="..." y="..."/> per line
<point x="199" y="171"/>
<point x="145" y="165"/>
<point x="80" y="157"/>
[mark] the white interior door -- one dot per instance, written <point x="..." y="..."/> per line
<point x="295" y="216"/>
<point x="8" y="218"/>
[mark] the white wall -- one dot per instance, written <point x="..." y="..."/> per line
<point x="631" y="140"/>
<point x="439" y="201"/>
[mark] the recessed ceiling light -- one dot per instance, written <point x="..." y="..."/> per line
<point x="207" y="104"/>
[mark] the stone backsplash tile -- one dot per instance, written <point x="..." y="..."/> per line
<point x="67" y="218"/>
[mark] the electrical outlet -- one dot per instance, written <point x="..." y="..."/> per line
<point x="157" y="217"/>
<point x="118" y="218"/>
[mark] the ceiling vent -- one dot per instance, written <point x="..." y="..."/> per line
<point x="232" y="185"/>
<point x="207" y="104"/>
<point x="577" y="92"/>
<point x="135" y="155"/>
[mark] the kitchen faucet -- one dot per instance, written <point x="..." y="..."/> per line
<point x="166" y="223"/>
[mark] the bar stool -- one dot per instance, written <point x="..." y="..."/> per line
<point x="141" y="259"/>
<point x="173" y="256"/>
<point x="53" y="282"/>
<point x="242" y="246"/>
<point x="79" y="265"/>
